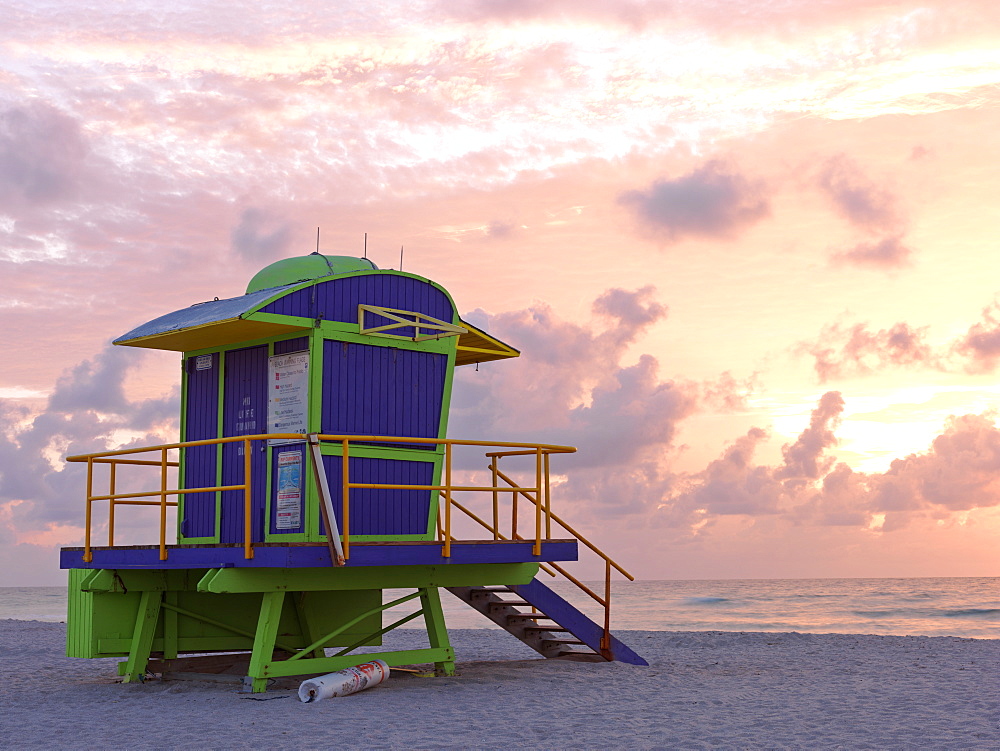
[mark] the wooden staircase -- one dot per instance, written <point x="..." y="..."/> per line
<point x="551" y="626"/>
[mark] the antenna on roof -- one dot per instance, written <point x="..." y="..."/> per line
<point x="366" y="245"/>
<point x="400" y="257"/>
<point x="317" y="239"/>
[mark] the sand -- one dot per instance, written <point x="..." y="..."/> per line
<point x="701" y="690"/>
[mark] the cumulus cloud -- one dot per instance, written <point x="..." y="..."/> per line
<point x="42" y="154"/>
<point x="805" y="459"/>
<point x="851" y="351"/>
<point x="856" y="350"/>
<point x="713" y="201"/>
<point x="960" y="471"/>
<point x="980" y="346"/>
<point x="83" y="414"/>
<point x="571" y="387"/>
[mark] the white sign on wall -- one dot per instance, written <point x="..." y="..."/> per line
<point x="287" y="393"/>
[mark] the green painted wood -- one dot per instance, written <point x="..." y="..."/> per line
<point x="106" y="580"/>
<point x="232" y="580"/>
<point x="437" y="630"/>
<point x="142" y="636"/>
<point x="267" y="632"/>
<point x="119" y="647"/>
<point x="280" y="668"/>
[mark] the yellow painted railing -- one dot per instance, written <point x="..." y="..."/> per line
<point x="541" y="452"/>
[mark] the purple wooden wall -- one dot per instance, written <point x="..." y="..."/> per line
<point x="338" y="299"/>
<point x="291" y="345"/>
<point x="201" y="414"/>
<point x="244" y="412"/>
<point x="376" y="511"/>
<point x="370" y="390"/>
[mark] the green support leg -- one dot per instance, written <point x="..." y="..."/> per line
<point x="437" y="631"/>
<point x="263" y="643"/>
<point x="142" y="637"/>
<point x="309" y="634"/>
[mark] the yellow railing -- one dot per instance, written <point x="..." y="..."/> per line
<point x="539" y="496"/>
<point x="128" y="499"/>
<point x="541" y="453"/>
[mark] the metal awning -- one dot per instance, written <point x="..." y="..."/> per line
<point x="220" y="322"/>
<point x="210" y="324"/>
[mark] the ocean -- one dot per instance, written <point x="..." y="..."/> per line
<point x="964" y="607"/>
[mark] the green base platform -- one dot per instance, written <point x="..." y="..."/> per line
<point x="285" y="618"/>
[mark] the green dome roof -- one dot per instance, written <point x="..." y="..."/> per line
<point x="304" y="268"/>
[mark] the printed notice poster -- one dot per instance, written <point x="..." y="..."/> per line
<point x="288" y="504"/>
<point x="288" y="394"/>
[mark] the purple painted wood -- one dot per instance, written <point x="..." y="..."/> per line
<point x="244" y="412"/>
<point x="201" y="416"/>
<point x="567" y="616"/>
<point x="377" y="511"/>
<point x="298" y="449"/>
<point x="369" y="390"/>
<point x="298" y="344"/>
<point x="338" y="298"/>
<point x="318" y="556"/>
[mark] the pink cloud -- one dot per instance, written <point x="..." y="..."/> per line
<point x="713" y="201"/>
<point x="853" y="351"/>
<point x="87" y="406"/>
<point x="570" y="387"/>
<point x="981" y="343"/>
<point x="887" y="253"/>
<point x="960" y="471"/>
<point x="856" y="196"/>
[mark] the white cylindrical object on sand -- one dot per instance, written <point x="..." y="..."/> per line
<point x="344" y="682"/>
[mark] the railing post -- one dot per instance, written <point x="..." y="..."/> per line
<point x="88" y="556"/>
<point x="447" y="501"/>
<point x="606" y="639"/>
<point x="496" y="499"/>
<point x="247" y="501"/>
<point x="163" y="504"/>
<point x="345" y="492"/>
<point x="548" y="501"/>
<point x="536" y="549"/>
<point x="111" y="507"/>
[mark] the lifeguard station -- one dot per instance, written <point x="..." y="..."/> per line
<point x="313" y="473"/>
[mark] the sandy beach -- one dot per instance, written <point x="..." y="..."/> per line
<point x="701" y="690"/>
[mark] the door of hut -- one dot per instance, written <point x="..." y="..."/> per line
<point x="244" y="412"/>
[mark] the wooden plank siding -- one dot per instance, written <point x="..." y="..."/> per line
<point x="201" y="421"/>
<point x="244" y="412"/>
<point x="338" y="298"/>
<point x="377" y="511"/>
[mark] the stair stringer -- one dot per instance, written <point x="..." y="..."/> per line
<point x="567" y="616"/>
<point x="488" y="602"/>
<point x="570" y="620"/>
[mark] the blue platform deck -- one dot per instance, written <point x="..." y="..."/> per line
<point x="306" y="555"/>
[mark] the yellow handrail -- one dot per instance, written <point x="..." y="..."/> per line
<point x="114" y="458"/>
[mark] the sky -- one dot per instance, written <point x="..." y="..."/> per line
<point x="746" y="249"/>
